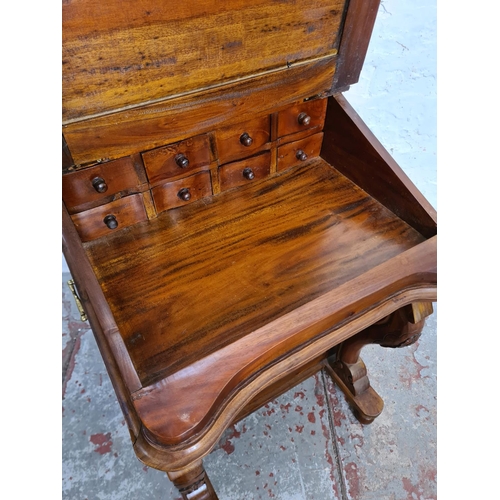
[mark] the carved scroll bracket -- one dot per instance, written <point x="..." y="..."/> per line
<point x="401" y="328"/>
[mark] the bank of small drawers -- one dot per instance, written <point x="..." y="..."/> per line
<point x="114" y="195"/>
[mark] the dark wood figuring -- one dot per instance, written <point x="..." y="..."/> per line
<point x="294" y="153"/>
<point x="242" y="172"/>
<point x="243" y="139"/>
<point x="308" y="115"/>
<point x="185" y="190"/>
<point x="148" y="47"/>
<point x="178" y="118"/>
<point x="278" y="349"/>
<point x="99" y="183"/>
<point x="175" y="160"/>
<point x="350" y="145"/>
<point x="314" y="220"/>
<point x="114" y="216"/>
<point x="115" y="356"/>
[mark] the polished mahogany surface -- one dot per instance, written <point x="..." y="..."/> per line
<point x="200" y="277"/>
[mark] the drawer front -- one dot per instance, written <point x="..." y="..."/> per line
<point x="306" y="115"/>
<point x="242" y="140"/>
<point x="104" y="220"/>
<point x="181" y="192"/>
<point x="177" y="159"/>
<point x="98" y="182"/>
<point x="297" y="152"/>
<point x="244" y="172"/>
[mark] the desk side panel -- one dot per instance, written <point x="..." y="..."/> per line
<point x="116" y="360"/>
<point x="350" y="147"/>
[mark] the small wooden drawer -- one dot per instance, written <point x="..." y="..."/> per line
<point x="177" y="159"/>
<point x="242" y="140"/>
<point x="98" y="183"/>
<point x="307" y="115"/>
<point x="103" y="220"/>
<point x="245" y="171"/>
<point x="297" y="152"/>
<point x="183" y="191"/>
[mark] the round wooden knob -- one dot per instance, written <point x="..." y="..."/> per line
<point x="99" y="185"/>
<point x="248" y="174"/>
<point x="246" y="140"/>
<point x="300" y="155"/>
<point x="304" y="119"/>
<point x="110" y="221"/>
<point x="184" y="194"/>
<point x="181" y="161"/>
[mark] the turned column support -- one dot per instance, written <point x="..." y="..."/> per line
<point x="401" y="328"/>
<point x="193" y="482"/>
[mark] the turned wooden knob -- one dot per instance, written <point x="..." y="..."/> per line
<point x="184" y="194"/>
<point x="181" y="160"/>
<point x="246" y="140"/>
<point x="304" y="119"/>
<point x="99" y="185"/>
<point x="248" y="174"/>
<point x="110" y="221"/>
<point x="301" y="155"/>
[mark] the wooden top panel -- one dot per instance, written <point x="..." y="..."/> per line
<point x="121" y="53"/>
<point x="202" y="277"/>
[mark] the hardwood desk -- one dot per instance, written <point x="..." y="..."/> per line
<point x="232" y="226"/>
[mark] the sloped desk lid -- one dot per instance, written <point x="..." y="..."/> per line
<point x="119" y="54"/>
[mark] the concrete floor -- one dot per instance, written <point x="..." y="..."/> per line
<point x="304" y="445"/>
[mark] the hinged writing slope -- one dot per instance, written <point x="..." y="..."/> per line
<point x="119" y="55"/>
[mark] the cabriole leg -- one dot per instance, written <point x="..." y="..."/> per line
<point x="401" y="328"/>
<point x="193" y="482"/>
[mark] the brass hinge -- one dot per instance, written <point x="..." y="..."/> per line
<point x="83" y="315"/>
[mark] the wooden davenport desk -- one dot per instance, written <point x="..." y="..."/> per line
<point x="230" y="223"/>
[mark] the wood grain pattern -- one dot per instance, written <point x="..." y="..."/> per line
<point x="232" y="174"/>
<point x="161" y="163"/>
<point x="115" y="356"/>
<point x="128" y="53"/>
<point x="229" y="145"/>
<point x="209" y="309"/>
<point x="307" y="244"/>
<point x="119" y="175"/>
<point x="166" y="196"/>
<point x="288" y="122"/>
<point x="287" y="154"/>
<point x="178" y="118"/>
<point x="350" y="146"/>
<point x="127" y="211"/>
<point x="238" y="373"/>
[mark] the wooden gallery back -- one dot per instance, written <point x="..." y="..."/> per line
<point x="230" y="223"/>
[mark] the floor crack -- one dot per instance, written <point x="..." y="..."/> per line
<point x="336" y="451"/>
